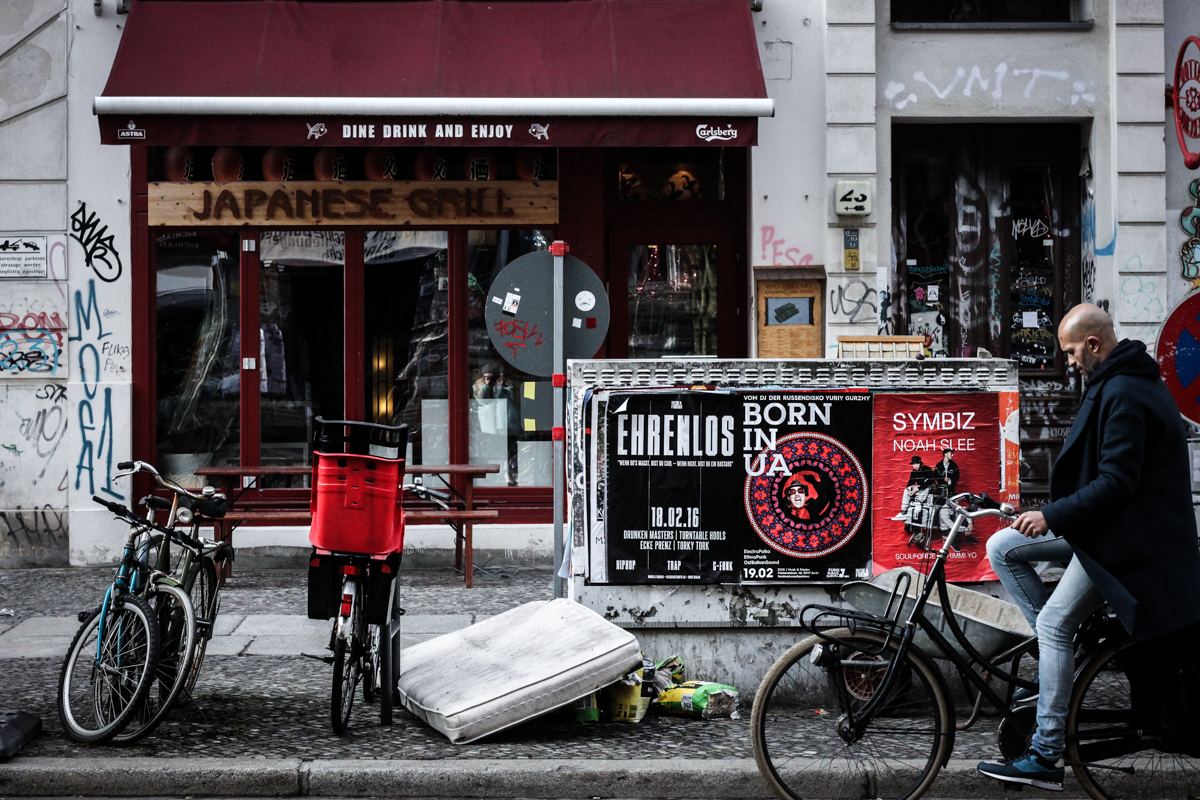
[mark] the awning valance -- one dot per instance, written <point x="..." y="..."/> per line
<point x="450" y="72"/>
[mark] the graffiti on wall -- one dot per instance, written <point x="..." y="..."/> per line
<point x="33" y="537"/>
<point x="1189" y="254"/>
<point x="99" y="251"/>
<point x="1024" y="81"/>
<point x="853" y="302"/>
<point x="776" y="253"/>
<point x="95" y="408"/>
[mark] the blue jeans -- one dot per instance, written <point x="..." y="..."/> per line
<point x="1055" y="618"/>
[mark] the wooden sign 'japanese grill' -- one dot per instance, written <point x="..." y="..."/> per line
<point x="345" y="203"/>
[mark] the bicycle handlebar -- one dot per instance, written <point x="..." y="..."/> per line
<point x="116" y="508"/>
<point x="131" y="467"/>
<point x="981" y="505"/>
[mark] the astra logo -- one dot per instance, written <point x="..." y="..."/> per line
<point x="131" y="131"/>
<point x="710" y="134"/>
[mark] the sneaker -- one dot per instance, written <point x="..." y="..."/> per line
<point x="1032" y="769"/>
<point x="1024" y="697"/>
<point x="898" y="518"/>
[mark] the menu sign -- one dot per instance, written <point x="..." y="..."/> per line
<point x="723" y="487"/>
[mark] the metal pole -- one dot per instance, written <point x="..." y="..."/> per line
<point x="558" y="249"/>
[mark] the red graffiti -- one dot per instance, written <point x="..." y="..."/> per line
<point x="779" y="251"/>
<point x="51" y="321"/>
<point x="523" y="333"/>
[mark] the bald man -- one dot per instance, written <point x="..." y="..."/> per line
<point x="1120" y="515"/>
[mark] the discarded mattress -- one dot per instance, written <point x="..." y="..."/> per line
<point x="513" y="667"/>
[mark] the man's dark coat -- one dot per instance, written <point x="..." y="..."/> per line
<point x="1121" y="495"/>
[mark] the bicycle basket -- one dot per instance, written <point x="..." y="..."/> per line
<point x="360" y="438"/>
<point x="356" y="504"/>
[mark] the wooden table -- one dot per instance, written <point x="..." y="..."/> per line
<point x="232" y="478"/>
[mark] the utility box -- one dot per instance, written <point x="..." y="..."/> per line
<point x="710" y="500"/>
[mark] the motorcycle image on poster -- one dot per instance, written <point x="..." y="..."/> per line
<point x="745" y="486"/>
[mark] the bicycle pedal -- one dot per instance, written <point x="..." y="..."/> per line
<point x="326" y="659"/>
<point x="204" y="627"/>
<point x="1010" y="786"/>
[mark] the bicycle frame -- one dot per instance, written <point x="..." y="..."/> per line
<point x="917" y="620"/>
<point x="124" y="583"/>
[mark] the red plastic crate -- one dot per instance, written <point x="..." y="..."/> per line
<point x="356" y="504"/>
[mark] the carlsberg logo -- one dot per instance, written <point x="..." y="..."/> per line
<point x="709" y="134"/>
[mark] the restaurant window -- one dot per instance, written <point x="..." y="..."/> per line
<point x="300" y="344"/>
<point x="672" y="300"/>
<point x="198" y="372"/>
<point x="967" y="11"/>
<point x="674" y="175"/>
<point x="510" y="413"/>
<point x="405" y="313"/>
<point x="674" y="252"/>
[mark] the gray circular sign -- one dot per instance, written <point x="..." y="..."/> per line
<point x="520" y="306"/>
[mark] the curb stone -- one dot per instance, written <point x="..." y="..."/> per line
<point x="719" y="779"/>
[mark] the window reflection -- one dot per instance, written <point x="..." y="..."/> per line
<point x="672" y="300"/>
<point x="198" y="360"/>
<point x="301" y="341"/>
<point x="405" y="315"/>
<point x="510" y="411"/>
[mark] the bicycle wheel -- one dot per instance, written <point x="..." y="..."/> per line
<point x="347" y="666"/>
<point x="176" y="646"/>
<point x="802" y="702"/>
<point x="107" y="673"/>
<point x="206" y="600"/>
<point x="1111" y="753"/>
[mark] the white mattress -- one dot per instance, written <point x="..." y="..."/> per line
<point x="513" y="667"/>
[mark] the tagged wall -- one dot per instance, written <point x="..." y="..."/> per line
<point x="98" y="226"/>
<point x="34" y="413"/>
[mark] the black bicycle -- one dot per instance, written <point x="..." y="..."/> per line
<point x="857" y="709"/>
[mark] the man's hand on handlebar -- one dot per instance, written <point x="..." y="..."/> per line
<point x="1031" y="524"/>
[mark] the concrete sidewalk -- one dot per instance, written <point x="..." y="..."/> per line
<point x="233" y="635"/>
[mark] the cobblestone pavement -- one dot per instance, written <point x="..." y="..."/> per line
<point x="278" y="706"/>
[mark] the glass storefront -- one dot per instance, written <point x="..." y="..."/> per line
<point x="387" y="323"/>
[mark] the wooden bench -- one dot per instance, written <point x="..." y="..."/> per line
<point x="256" y="511"/>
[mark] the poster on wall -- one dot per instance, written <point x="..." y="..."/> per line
<point x="929" y="447"/>
<point x="725" y="487"/>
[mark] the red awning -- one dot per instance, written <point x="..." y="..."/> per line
<point x="452" y="72"/>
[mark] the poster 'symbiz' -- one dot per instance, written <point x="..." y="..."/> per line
<point x="716" y="487"/>
<point x="929" y="447"/>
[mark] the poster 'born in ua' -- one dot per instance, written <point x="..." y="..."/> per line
<point x="722" y="487"/>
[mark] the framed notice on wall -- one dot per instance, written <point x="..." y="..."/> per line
<point x="737" y="486"/>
